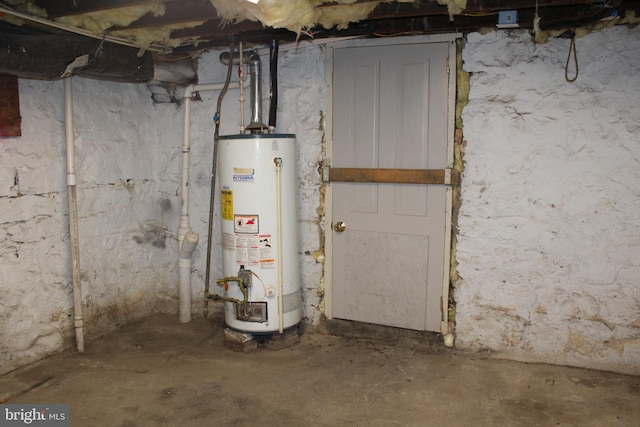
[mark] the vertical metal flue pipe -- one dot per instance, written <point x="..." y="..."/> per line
<point x="255" y="85"/>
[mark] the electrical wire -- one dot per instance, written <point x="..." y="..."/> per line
<point x="166" y="59"/>
<point x="607" y="23"/>
<point x="262" y="283"/>
<point x="402" y="33"/>
<point x="602" y="11"/>
<point x="479" y="13"/>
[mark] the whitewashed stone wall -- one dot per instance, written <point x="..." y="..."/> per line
<point x="129" y="173"/>
<point x="128" y="249"/>
<point x="549" y="228"/>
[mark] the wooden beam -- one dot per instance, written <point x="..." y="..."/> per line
<point x="421" y="8"/>
<point x="10" y="120"/>
<point x="394" y="176"/>
<point x="214" y="29"/>
<point x="57" y="8"/>
<point x="177" y="12"/>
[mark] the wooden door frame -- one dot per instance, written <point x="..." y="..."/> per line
<point x="328" y="130"/>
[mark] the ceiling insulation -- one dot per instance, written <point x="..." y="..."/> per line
<point x="340" y="16"/>
<point x="455" y="7"/>
<point x="174" y="30"/>
<point x="298" y="16"/>
<point x="148" y="36"/>
<point x="295" y="15"/>
<point x="302" y="15"/>
<point x="102" y="20"/>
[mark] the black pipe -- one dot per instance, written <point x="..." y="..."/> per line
<point x="273" y="93"/>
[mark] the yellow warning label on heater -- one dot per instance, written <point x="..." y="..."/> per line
<point x="226" y="204"/>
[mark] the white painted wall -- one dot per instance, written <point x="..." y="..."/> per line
<point x="549" y="229"/>
<point x="127" y="214"/>
<point x="548" y="233"/>
<point x="129" y="172"/>
<point x="549" y="220"/>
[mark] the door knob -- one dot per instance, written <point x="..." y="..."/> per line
<point x="340" y="226"/>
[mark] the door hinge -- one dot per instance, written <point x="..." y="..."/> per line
<point x="448" y="68"/>
<point x="326" y="168"/>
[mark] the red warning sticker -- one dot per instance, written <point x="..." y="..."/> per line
<point x="246" y="224"/>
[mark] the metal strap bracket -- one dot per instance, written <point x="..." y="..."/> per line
<point x="447" y="176"/>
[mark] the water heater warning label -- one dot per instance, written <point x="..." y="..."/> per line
<point x="226" y="204"/>
<point x="247" y="250"/>
<point x="246" y="224"/>
<point x="254" y="250"/>
<point x="266" y="251"/>
<point x="228" y="241"/>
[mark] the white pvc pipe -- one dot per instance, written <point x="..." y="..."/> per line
<point x="188" y="245"/>
<point x="187" y="239"/>
<point x="184" y="264"/>
<point x="78" y="322"/>
<point x="278" y="162"/>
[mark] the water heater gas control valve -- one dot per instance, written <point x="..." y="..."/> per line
<point x="246" y="276"/>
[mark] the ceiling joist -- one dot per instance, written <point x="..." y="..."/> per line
<point x="193" y="25"/>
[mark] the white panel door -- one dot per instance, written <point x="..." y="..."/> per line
<point x="389" y="111"/>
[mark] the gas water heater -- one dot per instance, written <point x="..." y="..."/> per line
<point x="260" y="262"/>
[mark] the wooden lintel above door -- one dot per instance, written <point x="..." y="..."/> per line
<point x="395" y="176"/>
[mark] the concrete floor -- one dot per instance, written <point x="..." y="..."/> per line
<point x="159" y="372"/>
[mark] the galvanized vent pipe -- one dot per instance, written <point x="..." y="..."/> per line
<point x="255" y="86"/>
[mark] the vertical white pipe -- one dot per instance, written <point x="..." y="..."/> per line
<point x="187" y="239"/>
<point x="184" y="264"/>
<point x="78" y="322"/>
<point x="278" y="162"/>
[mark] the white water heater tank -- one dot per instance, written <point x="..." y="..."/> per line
<point x="258" y="204"/>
